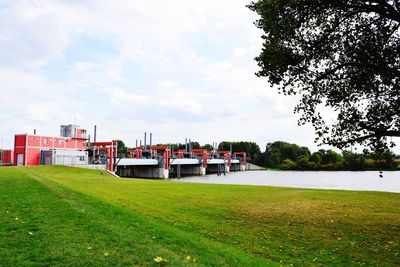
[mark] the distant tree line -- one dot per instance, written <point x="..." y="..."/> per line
<point x="285" y="156"/>
<point x="251" y="148"/>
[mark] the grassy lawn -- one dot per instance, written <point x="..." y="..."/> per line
<point x="69" y="216"/>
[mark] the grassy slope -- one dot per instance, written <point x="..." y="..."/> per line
<point x="216" y="224"/>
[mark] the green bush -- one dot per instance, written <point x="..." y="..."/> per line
<point x="369" y="163"/>
<point x="333" y="166"/>
<point x="288" y="164"/>
<point x="303" y="162"/>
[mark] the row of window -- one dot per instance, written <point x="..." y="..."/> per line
<point x="46" y="140"/>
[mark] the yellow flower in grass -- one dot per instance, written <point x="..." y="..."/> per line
<point x="106" y="254"/>
<point x="158" y="259"/>
<point x="187" y="258"/>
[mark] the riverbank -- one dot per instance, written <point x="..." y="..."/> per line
<point x="60" y="215"/>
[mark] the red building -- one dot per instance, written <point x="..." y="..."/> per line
<point x="6" y="157"/>
<point x="28" y="148"/>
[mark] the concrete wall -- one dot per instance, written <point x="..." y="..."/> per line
<point x="142" y="172"/>
<point x="213" y="168"/>
<point x="187" y="170"/>
<point x="237" y="167"/>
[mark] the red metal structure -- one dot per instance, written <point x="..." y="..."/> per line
<point x="136" y="153"/>
<point x="226" y="154"/>
<point x="203" y="153"/>
<point x="244" y="156"/>
<point x="179" y="153"/>
<point x="111" y="147"/>
<point x="27" y="148"/>
<point x="167" y="154"/>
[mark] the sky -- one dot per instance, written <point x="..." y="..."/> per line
<point x="179" y="69"/>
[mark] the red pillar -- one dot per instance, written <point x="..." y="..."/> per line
<point x="166" y="158"/>
<point x="110" y="158"/>
<point x="115" y="145"/>
<point x="205" y="157"/>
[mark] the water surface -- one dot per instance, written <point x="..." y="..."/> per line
<point x="346" y="180"/>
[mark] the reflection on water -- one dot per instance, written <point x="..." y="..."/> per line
<point x="368" y="180"/>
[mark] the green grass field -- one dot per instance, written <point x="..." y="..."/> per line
<point x="75" y="217"/>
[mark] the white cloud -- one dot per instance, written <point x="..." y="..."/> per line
<point x="80" y="67"/>
<point x="32" y="34"/>
<point x="30" y="102"/>
<point x="177" y="68"/>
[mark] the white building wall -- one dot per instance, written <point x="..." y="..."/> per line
<point x="69" y="157"/>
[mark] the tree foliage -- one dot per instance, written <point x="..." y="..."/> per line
<point x="340" y="56"/>
<point x="285" y="156"/>
<point x="122" y="150"/>
<point x="251" y="148"/>
<point x="277" y="152"/>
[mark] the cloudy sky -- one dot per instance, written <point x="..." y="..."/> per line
<point x="174" y="68"/>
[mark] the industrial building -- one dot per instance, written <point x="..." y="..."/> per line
<point x="161" y="162"/>
<point x="67" y="149"/>
<point x="73" y="148"/>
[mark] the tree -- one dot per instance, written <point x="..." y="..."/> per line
<point x="384" y="160"/>
<point x="209" y="147"/>
<point x="251" y="148"/>
<point x="276" y="152"/>
<point x="122" y="150"/>
<point x="272" y="156"/>
<point x="342" y="56"/>
<point x="330" y="157"/>
<point x="316" y="158"/>
<point x="288" y="164"/>
<point x="303" y="162"/>
<point x="354" y="161"/>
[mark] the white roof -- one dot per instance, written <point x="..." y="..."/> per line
<point x="185" y="161"/>
<point x="137" y="162"/>
<point x="216" y="161"/>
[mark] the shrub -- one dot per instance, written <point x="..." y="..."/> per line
<point x="313" y="166"/>
<point x="369" y="163"/>
<point x="288" y="164"/>
<point x="303" y="163"/>
<point x="333" y="166"/>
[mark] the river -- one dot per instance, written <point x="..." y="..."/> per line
<point x="346" y="180"/>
